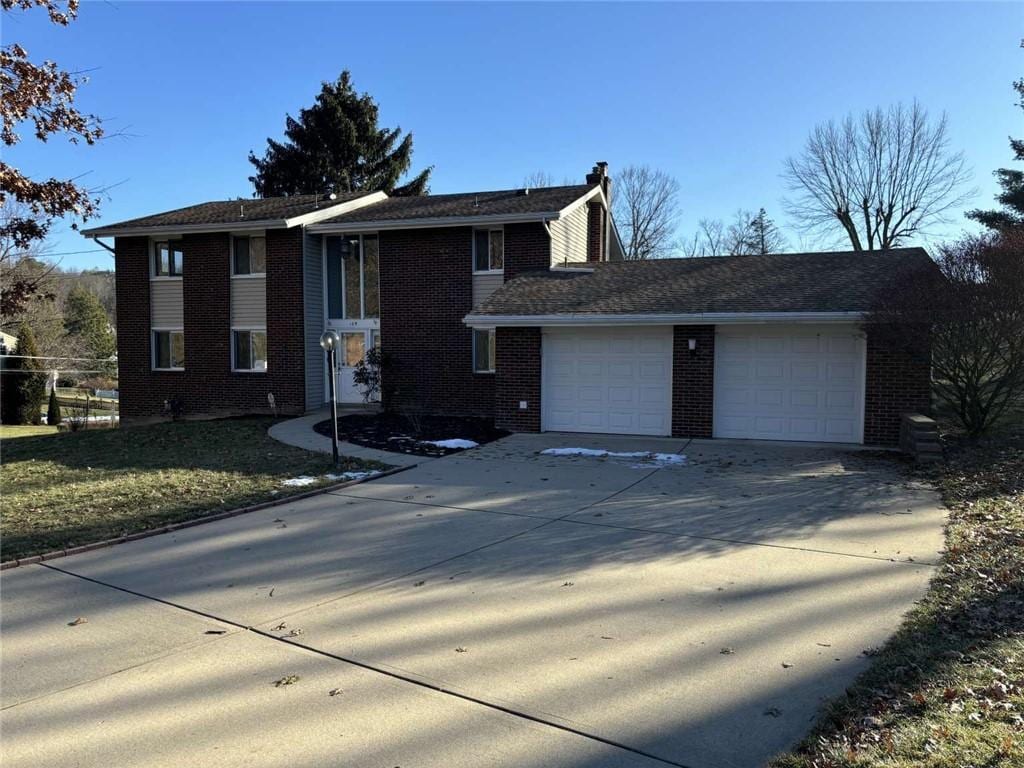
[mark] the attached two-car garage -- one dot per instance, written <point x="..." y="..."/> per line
<point x="771" y="382"/>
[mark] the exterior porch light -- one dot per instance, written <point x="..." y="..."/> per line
<point x="330" y="341"/>
<point x="692" y="345"/>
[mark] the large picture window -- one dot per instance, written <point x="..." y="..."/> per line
<point x="168" y="350"/>
<point x="250" y="350"/>
<point x="483" y="351"/>
<point x="168" y="259"/>
<point x="488" y="250"/>
<point x="353" y="277"/>
<point x="249" y="255"/>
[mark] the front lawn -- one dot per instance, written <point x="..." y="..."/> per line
<point x="948" y="689"/>
<point x="67" y="489"/>
<point x="9" y="431"/>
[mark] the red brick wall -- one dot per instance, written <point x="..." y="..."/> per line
<point x="426" y="288"/>
<point x="595" y="231"/>
<point x="527" y="248"/>
<point x="693" y="381"/>
<point x="896" y="382"/>
<point x="518" y="378"/>
<point x="207" y="386"/>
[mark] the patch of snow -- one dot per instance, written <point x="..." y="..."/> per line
<point x="574" y="452"/>
<point x="455" y="442"/>
<point x="344" y="476"/>
<point x="304" y="480"/>
<point x="298" y="482"/>
<point x="649" y="459"/>
<point x="668" y="458"/>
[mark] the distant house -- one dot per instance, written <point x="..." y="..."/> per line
<point x="7" y="343"/>
<point x="514" y="305"/>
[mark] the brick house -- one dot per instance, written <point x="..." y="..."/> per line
<point x="513" y="305"/>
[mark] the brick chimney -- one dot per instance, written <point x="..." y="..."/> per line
<point x="597" y="216"/>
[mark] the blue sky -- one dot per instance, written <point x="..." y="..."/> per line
<point x="716" y="94"/>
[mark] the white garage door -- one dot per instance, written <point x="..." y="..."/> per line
<point x="789" y="383"/>
<point x="615" y="380"/>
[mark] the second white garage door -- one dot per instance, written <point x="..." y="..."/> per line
<point x="789" y="383"/>
<point x="611" y="380"/>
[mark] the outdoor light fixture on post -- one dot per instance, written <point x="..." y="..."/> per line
<point x="330" y="341"/>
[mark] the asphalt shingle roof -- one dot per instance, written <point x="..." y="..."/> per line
<point x="797" y="282"/>
<point x="499" y="203"/>
<point x="237" y="211"/>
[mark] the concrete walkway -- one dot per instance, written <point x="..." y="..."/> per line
<point x="299" y="433"/>
<point x="497" y="607"/>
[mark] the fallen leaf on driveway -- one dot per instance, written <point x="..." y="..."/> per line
<point x="787" y="664"/>
<point x="334" y="692"/>
<point x="460" y="649"/>
<point x="286" y="680"/>
<point x="773" y="712"/>
<point x="76" y="622"/>
<point x="727" y="650"/>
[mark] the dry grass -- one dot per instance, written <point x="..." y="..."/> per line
<point x="68" y="489"/>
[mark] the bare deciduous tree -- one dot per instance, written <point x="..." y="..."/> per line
<point x="881" y="178"/>
<point x="748" y="234"/>
<point x="645" y="204"/>
<point x="540" y="179"/>
<point x="972" y="308"/>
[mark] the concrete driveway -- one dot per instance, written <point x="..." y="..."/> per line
<point x="493" y="608"/>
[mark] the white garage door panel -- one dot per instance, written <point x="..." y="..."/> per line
<point x="790" y="383"/>
<point x="611" y="380"/>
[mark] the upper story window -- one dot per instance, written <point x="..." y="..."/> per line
<point x="249" y="255"/>
<point x="168" y="258"/>
<point x="353" y="277"/>
<point x="488" y="250"/>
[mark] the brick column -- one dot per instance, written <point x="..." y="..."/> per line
<point x="517" y="378"/>
<point x="895" y="382"/>
<point x="693" y="381"/>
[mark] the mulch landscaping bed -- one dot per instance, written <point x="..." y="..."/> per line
<point x="400" y="434"/>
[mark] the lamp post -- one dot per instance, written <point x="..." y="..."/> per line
<point x="330" y="341"/>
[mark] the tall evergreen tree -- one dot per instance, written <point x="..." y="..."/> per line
<point x="85" y="318"/>
<point x="1012" y="183"/>
<point x="24" y="382"/>
<point x="336" y="146"/>
<point x="760" y="236"/>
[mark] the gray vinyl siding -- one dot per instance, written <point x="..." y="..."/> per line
<point x="166" y="304"/>
<point x="249" y="302"/>
<point x="569" y="237"/>
<point x="484" y="286"/>
<point x="313" y="303"/>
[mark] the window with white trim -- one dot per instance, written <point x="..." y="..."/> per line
<point x="483" y="350"/>
<point x="249" y="349"/>
<point x="168" y="350"/>
<point x="353" y="277"/>
<point x="488" y="250"/>
<point x="168" y="258"/>
<point x="248" y="255"/>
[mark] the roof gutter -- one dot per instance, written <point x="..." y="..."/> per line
<point x="694" y="318"/>
<point x="428" y="223"/>
<point x="330" y="210"/>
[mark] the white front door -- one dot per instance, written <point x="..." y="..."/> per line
<point x="790" y="382"/>
<point x="353" y="348"/>
<point x="611" y="380"/>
